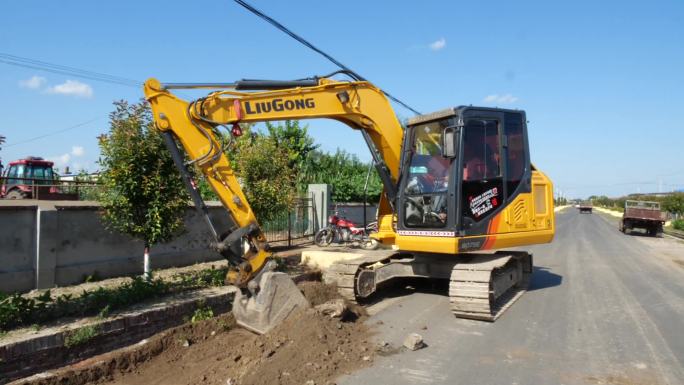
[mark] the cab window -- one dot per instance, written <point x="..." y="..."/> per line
<point x="426" y="188"/>
<point x="428" y="169"/>
<point x="41" y="174"/>
<point x="482" y="171"/>
<point x="515" y="158"/>
<point x="15" y="174"/>
<point x="11" y="174"/>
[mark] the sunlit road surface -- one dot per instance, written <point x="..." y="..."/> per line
<point x="603" y="308"/>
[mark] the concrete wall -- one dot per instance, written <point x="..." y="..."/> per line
<point x="56" y="244"/>
<point x="17" y="247"/>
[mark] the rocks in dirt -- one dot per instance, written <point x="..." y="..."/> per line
<point x="268" y="354"/>
<point x="385" y="348"/>
<point x="335" y="308"/>
<point x="186" y="343"/>
<point x="414" y="341"/>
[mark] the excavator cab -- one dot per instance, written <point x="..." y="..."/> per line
<point x="461" y="167"/>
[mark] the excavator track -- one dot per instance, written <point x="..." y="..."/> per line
<point x="481" y="286"/>
<point x="485" y="286"/>
<point x="345" y="274"/>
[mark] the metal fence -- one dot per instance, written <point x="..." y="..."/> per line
<point x="35" y="188"/>
<point x="294" y="227"/>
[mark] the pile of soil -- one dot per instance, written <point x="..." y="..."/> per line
<point x="308" y="346"/>
<point x="318" y="293"/>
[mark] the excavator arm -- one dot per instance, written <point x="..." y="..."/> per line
<point x="194" y="124"/>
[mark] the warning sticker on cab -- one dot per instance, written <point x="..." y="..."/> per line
<point x="485" y="202"/>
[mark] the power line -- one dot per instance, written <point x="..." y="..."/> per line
<point x="300" y="39"/>
<point x="54" y="132"/>
<point x="66" y="70"/>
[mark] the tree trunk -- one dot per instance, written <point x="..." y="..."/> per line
<point x="146" y="262"/>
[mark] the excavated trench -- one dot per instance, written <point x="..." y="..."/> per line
<point x="308" y="346"/>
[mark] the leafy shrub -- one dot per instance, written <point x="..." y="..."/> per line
<point x="17" y="310"/>
<point x="201" y="314"/>
<point x="678" y="224"/>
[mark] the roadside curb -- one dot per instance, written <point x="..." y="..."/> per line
<point x="48" y="349"/>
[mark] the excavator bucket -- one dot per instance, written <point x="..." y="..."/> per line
<point x="276" y="299"/>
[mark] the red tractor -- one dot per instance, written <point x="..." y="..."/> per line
<point x="31" y="177"/>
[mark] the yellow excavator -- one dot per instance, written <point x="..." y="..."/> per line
<point x="458" y="183"/>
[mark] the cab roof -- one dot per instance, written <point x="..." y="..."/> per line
<point x="445" y="113"/>
<point x="32" y="160"/>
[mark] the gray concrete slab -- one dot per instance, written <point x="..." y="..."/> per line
<point x="604" y="308"/>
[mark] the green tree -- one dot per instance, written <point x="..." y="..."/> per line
<point x="206" y="192"/>
<point x="143" y="195"/>
<point x="674" y="203"/>
<point x="294" y="138"/>
<point x="347" y="175"/>
<point x="265" y="175"/>
<point x="560" y="201"/>
<point x="87" y="188"/>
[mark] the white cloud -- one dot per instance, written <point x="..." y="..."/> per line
<point x="34" y="83"/>
<point x="72" y="87"/>
<point x="500" y="99"/>
<point x="77" y="151"/>
<point x="60" y="161"/>
<point x="437" y="45"/>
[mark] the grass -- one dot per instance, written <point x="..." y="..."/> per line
<point x="80" y="336"/>
<point x="202" y="313"/>
<point x="17" y="310"/>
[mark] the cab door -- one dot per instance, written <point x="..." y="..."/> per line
<point x="495" y="163"/>
<point x="426" y="198"/>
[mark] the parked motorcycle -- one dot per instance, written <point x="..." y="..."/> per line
<point x="343" y="231"/>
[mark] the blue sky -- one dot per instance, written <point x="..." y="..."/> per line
<point x="601" y="81"/>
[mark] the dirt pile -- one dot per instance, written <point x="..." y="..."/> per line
<point x="307" y="347"/>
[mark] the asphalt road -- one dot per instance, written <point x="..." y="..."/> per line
<point x="603" y="308"/>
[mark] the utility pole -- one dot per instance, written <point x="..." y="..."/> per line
<point x="2" y="141"/>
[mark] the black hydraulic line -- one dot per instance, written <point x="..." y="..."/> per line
<point x="383" y="170"/>
<point x="314" y="48"/>
<point x="253" y="84"/>
<point x="365" y="194"/>
<point x="201" y="208"/>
